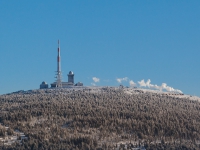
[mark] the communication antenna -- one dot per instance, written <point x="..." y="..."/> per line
<point x="58" y="72"/>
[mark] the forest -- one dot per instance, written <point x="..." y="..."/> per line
<point x="98" y="119"/>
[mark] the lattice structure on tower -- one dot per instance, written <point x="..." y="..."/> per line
<point x="58" y="72"/>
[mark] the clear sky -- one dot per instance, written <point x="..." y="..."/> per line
<point x="130" y="39"/>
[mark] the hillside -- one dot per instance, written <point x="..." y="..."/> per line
<point x="99" y="118"/>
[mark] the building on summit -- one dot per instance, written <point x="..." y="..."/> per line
<point x="66" y="84"/>
<point x="44" y="85"/>
<point x="58" y="83"/>
<point x="71" y="77"/>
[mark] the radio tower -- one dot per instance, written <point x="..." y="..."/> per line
<point x="58" y="72"/>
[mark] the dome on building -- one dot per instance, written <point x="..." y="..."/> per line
<point x="44" y="82"/>
<point x="71" y="72"/>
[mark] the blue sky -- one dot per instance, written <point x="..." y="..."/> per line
<point x="156" y="40"/>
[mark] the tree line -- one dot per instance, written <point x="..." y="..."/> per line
<point x="88" y="119"/>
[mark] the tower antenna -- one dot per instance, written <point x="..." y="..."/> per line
<point x="58" y="72"/>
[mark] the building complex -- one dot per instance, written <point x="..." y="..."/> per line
<point x="59" y="83"/>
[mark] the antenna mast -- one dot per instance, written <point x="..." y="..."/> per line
<point x="58" y="72"/>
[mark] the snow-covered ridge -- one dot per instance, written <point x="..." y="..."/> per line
<point x="101" y="89"/>
<point x="178" y="95"/>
